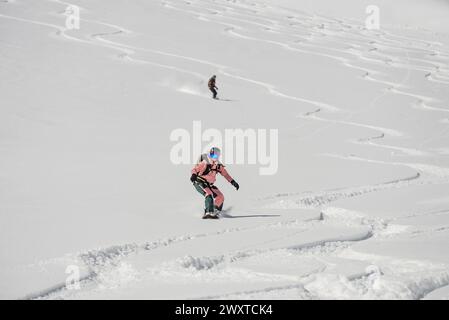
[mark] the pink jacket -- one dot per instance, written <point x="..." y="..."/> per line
<point x="208" y="170"/>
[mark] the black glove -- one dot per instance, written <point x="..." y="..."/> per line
<point x="235" y="184"/>
<point x="193" y="177"/>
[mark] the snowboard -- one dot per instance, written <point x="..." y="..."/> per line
<point x="220" y="99"/>
<point x="211" y="216"/>
<point x="217" y="214"/>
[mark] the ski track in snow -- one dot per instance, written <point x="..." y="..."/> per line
<point x="127" y="51"/>
<point x="305" y="33"/>
<point x="390" y="41"/>
<point x="373" y="283"/>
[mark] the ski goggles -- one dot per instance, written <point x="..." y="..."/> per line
<point x="214" y="155"/>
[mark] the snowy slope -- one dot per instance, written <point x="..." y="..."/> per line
<point x="358" y="209"/>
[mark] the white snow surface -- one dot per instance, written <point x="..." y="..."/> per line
<point x="359" y="208"/>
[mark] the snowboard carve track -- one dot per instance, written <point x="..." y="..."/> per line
<point x="310" y="286"/>
<point x="128" y="50"/>
<point x="110" y="257"/>
<point x="362" y="37"/>
<point x="359" y="55"/>
<point x="317" y="199"/>
<point x="98" y="260"/>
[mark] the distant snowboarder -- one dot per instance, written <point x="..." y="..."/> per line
<point x="212" y="86"/>
<point x="203" y="179"/>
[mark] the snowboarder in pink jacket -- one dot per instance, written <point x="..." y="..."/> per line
<point x="203" y="178"/>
